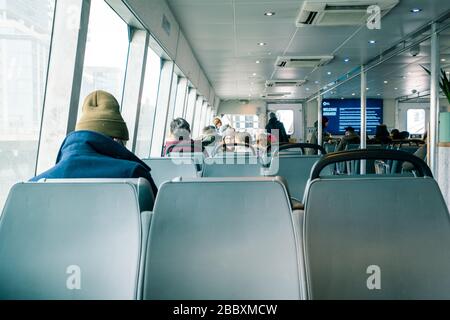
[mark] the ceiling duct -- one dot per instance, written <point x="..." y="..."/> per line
<point x="340" y="12"/>
<point x="284" y="83"/>
<point x="302" y="61"/>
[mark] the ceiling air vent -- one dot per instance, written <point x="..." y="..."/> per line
<point x="284" y="83"/>
<point x="276" y="95"/>
<point x="302" y="62"/>
<point x="340" y="12"/>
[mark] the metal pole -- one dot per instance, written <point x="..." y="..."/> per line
<point x="319" y="120"/>
<point x="363" y="116"/>
<point x="434" y="99"/>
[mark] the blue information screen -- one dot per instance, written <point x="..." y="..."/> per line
<point x="347" y="113"/>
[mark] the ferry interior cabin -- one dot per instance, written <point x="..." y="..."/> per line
<point x="224" y="150"/>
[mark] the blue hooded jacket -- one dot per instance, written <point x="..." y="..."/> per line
<point x="89" y="154"/>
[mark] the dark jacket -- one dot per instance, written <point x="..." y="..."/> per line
<point x="88" y="154"/>
<point x="274" y="124"/>
<point x="349" y="138"/>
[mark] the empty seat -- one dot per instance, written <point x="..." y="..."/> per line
<point x="232" y="166"/>
<point x="295" y="169"/>
<point x="228" y="238"/>
<point x="166" y="169"/>
<point x="70" y="241"/>
<point x="143" y="188"/>
<point x="376" y="238"/>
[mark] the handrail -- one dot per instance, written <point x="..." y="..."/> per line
<point x="371" y="154"/>
<point x="302" y="146"/>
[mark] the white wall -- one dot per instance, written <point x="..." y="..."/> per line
<point x="389" y="106"/>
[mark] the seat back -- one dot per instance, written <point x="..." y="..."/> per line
<point x="377" y="238"/>
<point x="166" y="169"/>
<point x="70" y="241"/>
<point x="232" y="166"/>
<point x="142" y="186"/>
<point x="209" y="240"/>
<point x="295" y="169"/>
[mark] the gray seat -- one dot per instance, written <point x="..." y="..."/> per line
<point x="354" y="225"/>
<point x="143" y="188"/>
<point x="227" y="238"/>
<point x="295" y="169"/>
<point x="56" y="236"/>
<point x="166" y="169"/>
<point x="232" y="166"/>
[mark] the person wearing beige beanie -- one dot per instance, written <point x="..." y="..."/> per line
<point x="96" y="149"/>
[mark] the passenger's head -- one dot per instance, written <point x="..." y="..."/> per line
<point x="209" y="130"/>
<point x="349" y="131"/>
<point x="324" y="122"/>
<point x="404" y="135"/>
<point x="381" y="131"/>
<point x="229" y="136"/>
<point x="180" y="129"/>
<point x="101" y="113"/>
<point x="217" y="122"/>
<point x="244" y="138"/>
<point x="395" y="134"/>
<point x="272" y="115"/>
<point x="262" y="140"/>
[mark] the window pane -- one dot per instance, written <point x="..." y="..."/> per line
<point x="415" y="121"/>
<point x="25" y="35"/>
<point x="197" y="118"/>
<point x="148" y="104"/>
<point x="106" y="52"/>
<point x="287" y="118"/>
<point x="192" y="100"/>
<point x="173" y="96"/>
<point x="247" y="123"/>
<point x="181" y="98"/>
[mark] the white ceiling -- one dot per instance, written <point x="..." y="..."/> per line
<point x="224" y="35"/>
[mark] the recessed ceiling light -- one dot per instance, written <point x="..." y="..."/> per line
<point x="316" y="82"/>
<point x="395" y="88"/>
<point x="346" y="60"/>
<point x="367" y="88"/>
<point x="261" y="43"/>
<point x="416" y="10"/>
<point x="385" y="81"/>
<point x="254" y="74"/>
<point x="379" y="94"/>
<point x="372" y="41"/>
<point x="404" y="77"/>
<point x="329" y="73"/>
<point x="353" y="94"/>
<point x="269" y="14"/>
<point x="443" y="60"/>
<point x="307" y="89"/>
<point x="257" y="61"/>
<point x="342" y="98"/>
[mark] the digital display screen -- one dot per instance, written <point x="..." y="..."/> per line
<point x="347" y="113"/>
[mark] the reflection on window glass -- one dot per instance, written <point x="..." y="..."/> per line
<point x="106" y="52"/>
<point x="25" y="36"/>
<point x="197" y="117"/>
<point x="287" y="118"/>
<point x="148" y="104"/>
<point x="415" y="119"/>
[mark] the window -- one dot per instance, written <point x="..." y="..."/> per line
<point x="106" y="52"/>
<point x="197" y="118"/>
<point x="181" y="98"/>
<point x="25" y="36"/>
<point x="172" y="100"/>
<point x="148" y="104"/>
<point x="247" y="123"/>
<point x="190" y="108"/>
<point x="287" y="118"/>
<point x="415" y="120"/>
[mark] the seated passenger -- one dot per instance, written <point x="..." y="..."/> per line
<point x="244" y="138"/>
<point x="420" y="153"/>
<point x="210" y="138"/>
<point x="350" y="137"/>
<point x="404" y="135"/>
<point x="229" y="139"/>
<point x="180" y="134"/>
<point x="96" y="149"/>
<point x="382" y="135"/>
<point x="262" y="142"/>
<point x="395" y="134"/>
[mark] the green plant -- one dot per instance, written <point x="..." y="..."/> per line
<point x="444" y="83"/>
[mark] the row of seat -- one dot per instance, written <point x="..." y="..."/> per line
<point x="228" y="238"/>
